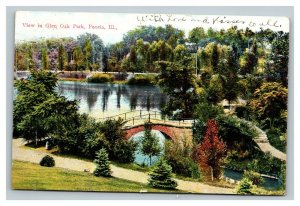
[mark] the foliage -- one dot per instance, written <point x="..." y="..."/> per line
<point x="245" y="187"/>
<point x="102" y="163"/>
<point x="178" y="154"/>
<point x="161" y="176"/>
<point x="259" y="162"/>
<point x="277" y="66"/>
<point x="211" y="151"/>
<point x="62" y="61"/>
<point x="238" y="134"/>
<point x="254" y="177"/>
<point x="37" y="106"/>
<point x="124" y="151"/>
<point x="100" y="78"/>
<point x="142" y="79"/>
<point x="45" y="59"/>
<point x="269" y="102"/>
<point x="47" y="161"/>
<point x="78" y="58"/>
<point x="277" y="138"/>
<point x="149" y="144"/>
<point x="87" y="53"/>
<point x="203" y="112"/>
<point x="178" y="81"/>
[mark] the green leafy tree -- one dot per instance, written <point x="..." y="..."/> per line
<point x="269" y="102"/>
<point x="178" y="81"/>
<point x="38" y="110"/>
<point x="150" y="145"/>
<point x="62" y="60"/>
<point x="161" y="176"/>
<point x="102" y="164"/>
<point x="87" y="53"/>
<point x="197" y="34"/>
<point x="78" y="58"/>
<point x="249" y="60"/>
<point x="277" y="66"/>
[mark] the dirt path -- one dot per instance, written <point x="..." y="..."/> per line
<point x="31" y="155"/>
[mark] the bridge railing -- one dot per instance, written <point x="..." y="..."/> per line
<point x="141" y="116"/>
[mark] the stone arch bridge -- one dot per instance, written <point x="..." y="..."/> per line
<point x="170" y="131"/>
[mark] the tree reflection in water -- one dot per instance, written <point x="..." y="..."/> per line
<point x="112" y="98"/>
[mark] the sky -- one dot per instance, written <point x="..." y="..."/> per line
<point x="111" y="27"/>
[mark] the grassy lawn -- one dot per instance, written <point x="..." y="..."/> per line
<point x="31" y="176"/>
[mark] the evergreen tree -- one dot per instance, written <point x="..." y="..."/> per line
<point x="102" y="163"/>
<point x="61" y="57"/>
<point x="150" y="145"/>
<point x="45" y="59"/>
<point x="161" y="176"/>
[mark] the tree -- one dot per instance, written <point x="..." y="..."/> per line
<point x="61" y="57"/>
<point x="161" y="176"/>
<point x="78" y="58"/>
<point x="102" y="162"/>
<point x="179" y="82"/>
<point x="249" y="60"/>
<point x="150" y="145"/>
<point x="197" y="34"/>
<point x="87" y="53"/>
<point x="269" y="102"/>
<point x="229" y="69"/>
<point x="97" y="56"/>
<point x="277" y="67"/>
<point x="45" y="59"/>
<point x="211" y="151"/>
<point x="38" y="110"/>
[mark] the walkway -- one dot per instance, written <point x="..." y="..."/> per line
<point x="263" y="142"/>
<point x="32" y="155"/>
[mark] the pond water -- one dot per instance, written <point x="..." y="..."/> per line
<point x="269" y="183"/>
<point x="139" y="157"/>
<point x="102" y="100"/>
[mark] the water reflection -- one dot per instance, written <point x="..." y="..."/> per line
<point x="111" y="99"/>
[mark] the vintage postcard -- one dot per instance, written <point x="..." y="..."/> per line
<point x="159" y="103"/>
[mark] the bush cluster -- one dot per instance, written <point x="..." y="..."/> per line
<point x="179" y="156"/>
<point x="100" y="78"/>
<point x="47" y="161"/>
<point x="142" y="79"/>
<point x="88" y="136"/>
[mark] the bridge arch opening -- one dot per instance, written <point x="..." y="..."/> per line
<point x="142" y="159"/>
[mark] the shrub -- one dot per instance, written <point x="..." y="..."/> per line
<point x="121" y="76"/>
<point x="178" y="155"/>
<point x="124" y="151"/>
<point x="100" y="78"/>
<point x="254" y="177"/>
<point x="242" y="112"/>
<point x="102" y="163"/>
<point x="47" y="161"/>
<point x="142" y="79"/>
<point x="245" y="187"/>
<point x="161" y="176"/>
